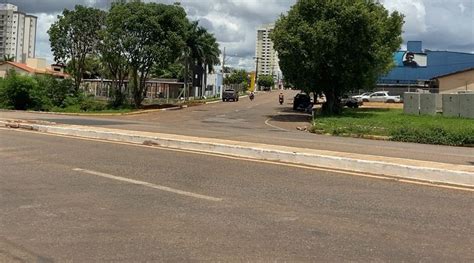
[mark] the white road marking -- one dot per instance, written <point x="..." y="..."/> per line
<point x="159" y="187"/>
<point x="273" y="126"/>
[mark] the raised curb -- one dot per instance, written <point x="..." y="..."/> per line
<point x="395" y="167"/>
<point x="102" y="114"/>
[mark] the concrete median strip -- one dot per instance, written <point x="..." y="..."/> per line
<point x="434" y="172"/>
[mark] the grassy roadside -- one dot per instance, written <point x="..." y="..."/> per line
<point x="97" y="107"/>
<point x="396" y="126"/>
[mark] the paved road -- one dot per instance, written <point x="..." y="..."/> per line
<point x="262" y="121"/>
<point x="65" y="199"/>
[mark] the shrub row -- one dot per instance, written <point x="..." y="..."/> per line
<point x="44" y="93"/>
<point x="434" y="135"/>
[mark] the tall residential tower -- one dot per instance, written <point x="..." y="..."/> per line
<point x="266" y="56"/>
<point x="17" y="33"/>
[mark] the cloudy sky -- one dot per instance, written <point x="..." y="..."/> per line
<point x="440" y="24"/>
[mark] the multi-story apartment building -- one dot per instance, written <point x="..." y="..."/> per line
<point x="266" y="56"/>
<point x="17" y="33"/>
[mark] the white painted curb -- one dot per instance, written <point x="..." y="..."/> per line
<point x="401" y="168"/>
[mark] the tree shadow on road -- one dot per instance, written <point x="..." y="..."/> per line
<point x="289" y="110"/>
<point x="295" y="117"/>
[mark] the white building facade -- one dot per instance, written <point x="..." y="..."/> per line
<point x="266" y="56"/>
<point x="17" y="33"/>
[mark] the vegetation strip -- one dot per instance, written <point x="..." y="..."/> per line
<point x="394" y="125"/>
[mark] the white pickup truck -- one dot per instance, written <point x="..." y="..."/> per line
<point x="381" y="96"/>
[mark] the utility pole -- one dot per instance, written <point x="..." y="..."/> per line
<point x="256" y="71"/>
<point x="223" y="62"/>
<point x="186" y="74"/>
<point x="223" y="72"/>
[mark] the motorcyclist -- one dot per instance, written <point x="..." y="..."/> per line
<point x="281" y="98"/>
<point x="252" y="95"/>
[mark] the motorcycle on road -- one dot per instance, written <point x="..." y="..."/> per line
<point x="281" y="99"/>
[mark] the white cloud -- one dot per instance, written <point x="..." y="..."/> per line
<point x="461" y="7"/>
<point x="440" y="24"/>
<point x="43" y="48"/>
<point x="414" y="11"/>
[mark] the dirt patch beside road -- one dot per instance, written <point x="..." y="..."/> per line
<point x="383" y="105"/>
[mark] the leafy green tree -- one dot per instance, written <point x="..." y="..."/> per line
<point x="151" y="35"/>
<point x="333" y="46"/>
<point x="113" y="56"/>
<point x="239" y="76"/>
<point x="74" y="37"/>
<point x="228" y="69"/>
<point x="173" y="71"/>
<point x="266" y="81"/>
<point x="93" y="68"/>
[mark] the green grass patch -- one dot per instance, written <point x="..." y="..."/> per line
<point x="398" y="126"/>
<point x="77" y="109"/>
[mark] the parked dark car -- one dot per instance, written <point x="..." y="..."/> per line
<point x="351" y="102"/>
<point x="230" y="94"/>
<point x="301" y="101"/>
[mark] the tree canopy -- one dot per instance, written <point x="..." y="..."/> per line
<point x="150" y="34"/>
<point x="334" y="46"/>
<point x="133" y="41"/>
<point x="266" y="81"/>
<point x="75" y="36"/>
<point x="239" y="76"/>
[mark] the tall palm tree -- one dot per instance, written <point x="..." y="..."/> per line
<point x="211" y="55"/>
<point x="202" y="49"/>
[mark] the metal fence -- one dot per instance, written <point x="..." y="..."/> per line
<point x="165" y="90"/>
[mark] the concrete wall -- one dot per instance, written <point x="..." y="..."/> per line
<point x="466" y="105"/>
<point x="451" y="105"/>
<point x="36" y="63"/>
<point x="428" y="103"/>
<point x="411" y="103"/>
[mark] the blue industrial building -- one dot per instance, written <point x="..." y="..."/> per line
<point x="415" y="68"/>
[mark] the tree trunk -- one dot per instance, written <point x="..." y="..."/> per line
<point x="204" y="76"/>
<point x="137" y="94"/>
<point x="332" y="105"/>
<point x="118" y="95"/>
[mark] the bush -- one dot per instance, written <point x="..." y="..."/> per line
<point x="44" y="93"/>
<point x="91" y="104"/>
<point x="21" y="93"/>
<point x="57" y="90"/>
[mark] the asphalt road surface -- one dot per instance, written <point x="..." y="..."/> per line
<point x="64" y="199"/>
<point x="263" y="121"/>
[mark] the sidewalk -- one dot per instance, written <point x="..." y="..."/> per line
<point x="435" y="172"/>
